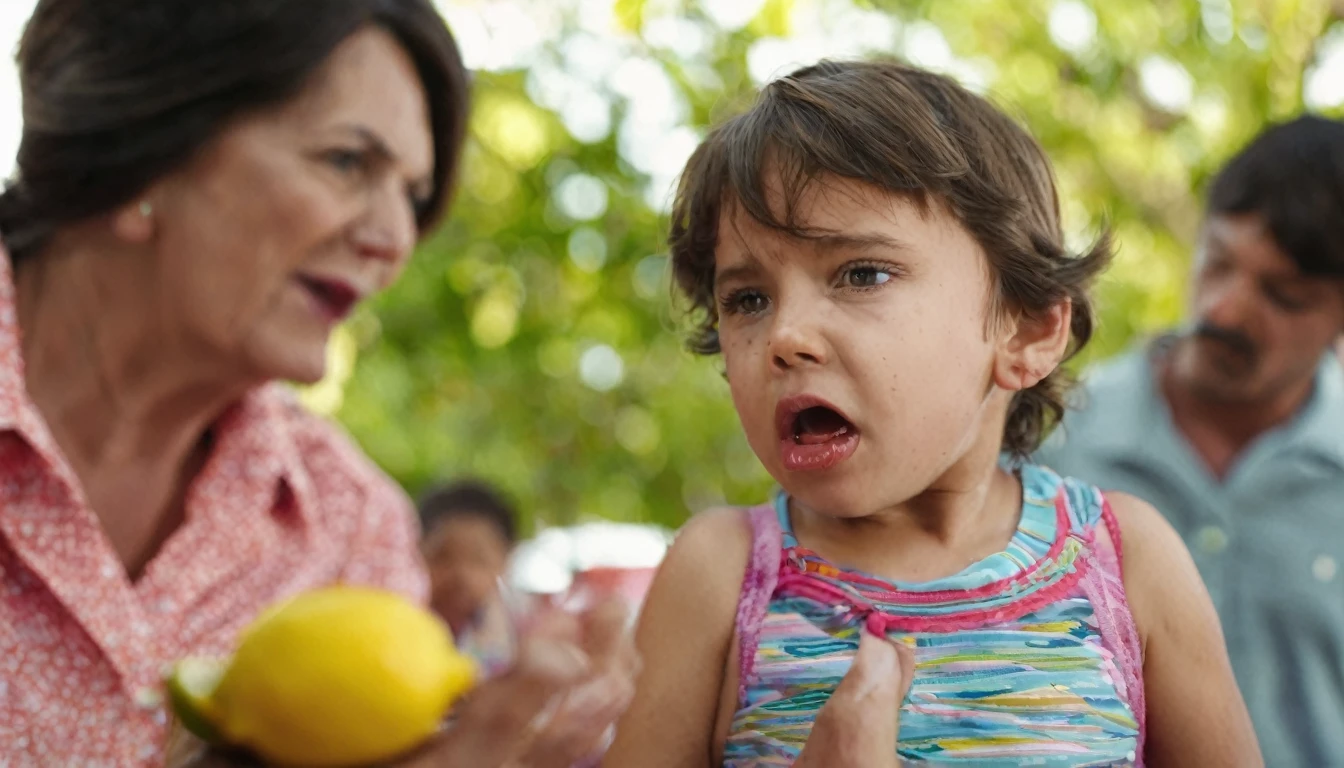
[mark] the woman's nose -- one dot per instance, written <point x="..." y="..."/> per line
<point x="389" y="229"/>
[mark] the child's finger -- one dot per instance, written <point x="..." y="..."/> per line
<point x="858" y="726"/>
<point x="905" y="660"/>
<point x="876" y="668"/>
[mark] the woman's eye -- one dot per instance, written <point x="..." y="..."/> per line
<point x="419" y="206"/>
<point x="865" y="277"/>
<point x="346" y="160"/>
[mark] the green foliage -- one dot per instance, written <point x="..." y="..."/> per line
<point x="493" y="355"/>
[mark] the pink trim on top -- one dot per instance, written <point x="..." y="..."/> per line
<point x="1063" y="530"/>
<point x="1114" y="540"/>
<point x="1105" y="589"/>
<point x="758" y="586"/>
<point x="799" y="584"/>
<point x="798" y="581"/>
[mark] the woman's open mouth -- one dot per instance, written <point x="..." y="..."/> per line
<point x="813" y="434"/>
<point x="334" y="299"/>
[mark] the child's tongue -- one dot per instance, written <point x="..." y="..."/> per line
<point x="819" y="425"/>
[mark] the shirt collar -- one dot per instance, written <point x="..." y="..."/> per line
<point x="257" y="436"/>
<point x="1320" y="427"/>
<point x="1134" y="407"/>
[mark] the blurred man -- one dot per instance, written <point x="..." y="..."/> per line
<point x="1234" y="427"/>
<point x="469" y="532"/>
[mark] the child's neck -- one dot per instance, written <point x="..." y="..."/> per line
<point x="969" y="513"/>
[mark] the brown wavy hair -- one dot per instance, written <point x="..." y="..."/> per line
<point x="913" y="133"/>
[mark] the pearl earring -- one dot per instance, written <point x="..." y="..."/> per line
<point x="146" y="208"/>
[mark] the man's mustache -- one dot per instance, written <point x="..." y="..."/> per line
<point x="1234" y="340"/>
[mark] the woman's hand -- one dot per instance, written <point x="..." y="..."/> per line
<point x="573" y="677"/>
<point x="858" y="726"/>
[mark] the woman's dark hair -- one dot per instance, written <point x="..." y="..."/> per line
<point x="468" y="498"/>
<point x="1292" y="174"/>
<point x="117" y="94"/>
<point x="911" y="133"/>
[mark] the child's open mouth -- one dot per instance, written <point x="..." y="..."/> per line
<point x="813" y="434"/>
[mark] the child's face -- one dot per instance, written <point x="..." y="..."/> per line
<point x="465" y="554"/>
<point x="862" y="365"/>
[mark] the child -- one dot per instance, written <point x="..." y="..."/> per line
<point x="877" y="253"/>
<point x="469" y="532"/>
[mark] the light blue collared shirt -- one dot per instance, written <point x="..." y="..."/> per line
<point x="1268" y="538"/>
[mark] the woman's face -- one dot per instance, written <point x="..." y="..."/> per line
<point x="291" y="217"/>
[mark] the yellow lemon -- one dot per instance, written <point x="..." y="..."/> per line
<point x="341" y="676"/>
<point x="189" y="689"/>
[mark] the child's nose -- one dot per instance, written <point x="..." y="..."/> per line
<point x="794" y="344"/>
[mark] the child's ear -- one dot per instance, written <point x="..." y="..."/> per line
<point x="1032" y="347"/>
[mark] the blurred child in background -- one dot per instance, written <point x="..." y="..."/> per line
<point x="469" y="530"/>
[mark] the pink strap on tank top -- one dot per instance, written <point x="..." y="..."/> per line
<point x="758" y="584"/>
<point x="1104" y="586"/>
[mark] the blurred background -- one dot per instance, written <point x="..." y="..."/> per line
<point x="533" y="342"/>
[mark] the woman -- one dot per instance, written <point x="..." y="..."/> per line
<point x="203" y="191"/>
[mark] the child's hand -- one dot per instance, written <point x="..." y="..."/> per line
<point x="857" y="728"/>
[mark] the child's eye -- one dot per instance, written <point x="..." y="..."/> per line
<point x="865" y="277"/>
<point x="747" y="301"/>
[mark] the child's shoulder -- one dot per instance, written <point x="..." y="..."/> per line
<point x="713" y="536"/>
<point x="1148" y="536"/>
<point x="1161" y="581"/>
<point x="710" y="552"/>
<point x="1144" y="532"/>
<point x="698" y="586"/>
<point x="1043" y="485"/>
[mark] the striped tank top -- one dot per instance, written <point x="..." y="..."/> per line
<point x="1028" y="657"/>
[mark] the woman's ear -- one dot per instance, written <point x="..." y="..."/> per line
<point x="1032" y="347"/>
<point x="135" y="221"/>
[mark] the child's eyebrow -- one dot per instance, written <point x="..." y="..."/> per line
<point x="857" y="241"/>
<point x="744" y="271"/>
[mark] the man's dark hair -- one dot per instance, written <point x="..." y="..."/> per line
<point x="1293" y="175"/>
<point x="468" y="498"/>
